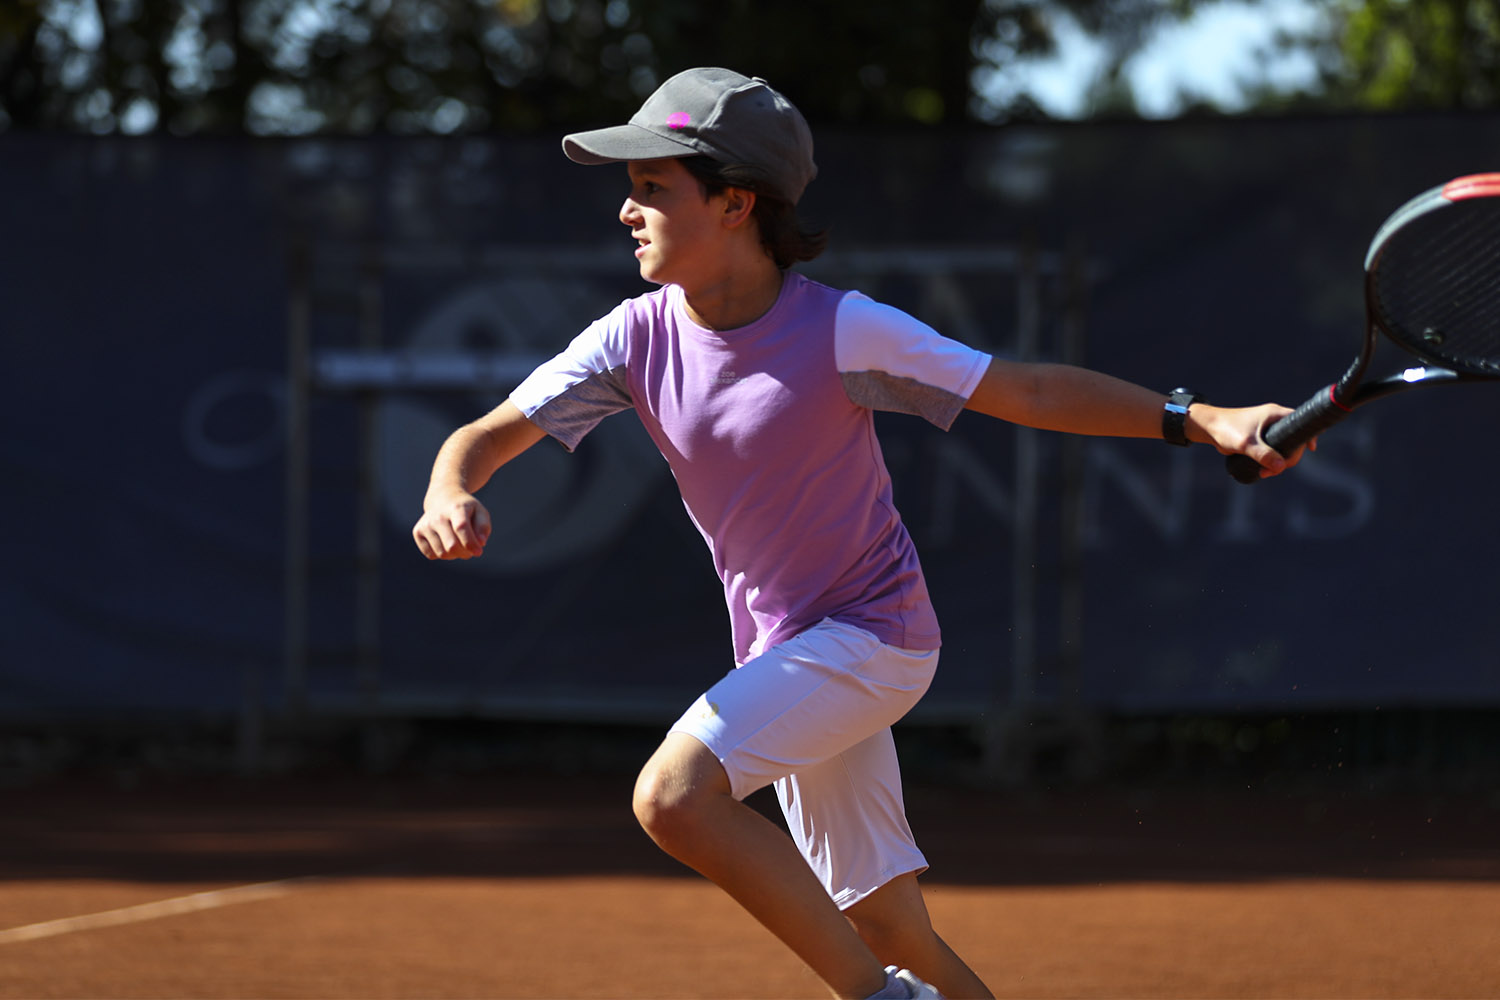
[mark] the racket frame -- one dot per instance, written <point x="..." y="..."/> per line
<point x="1334" y="402"/>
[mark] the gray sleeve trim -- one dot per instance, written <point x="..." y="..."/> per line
<point x="898" y="394"/>
<point x="577" y="410"/>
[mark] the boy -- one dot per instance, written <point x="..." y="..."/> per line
<point x="758" y="386"/>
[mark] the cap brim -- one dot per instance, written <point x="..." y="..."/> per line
<point x="622" y="142"/>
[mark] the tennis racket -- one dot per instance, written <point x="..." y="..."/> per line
<point x="1432" y="285"/>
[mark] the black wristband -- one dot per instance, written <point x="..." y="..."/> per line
<point x="1174" y="415"/>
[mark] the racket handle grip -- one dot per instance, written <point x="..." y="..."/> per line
<point x="1291" y="432"/>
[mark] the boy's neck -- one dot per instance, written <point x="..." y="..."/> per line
<point x="741" y="298"/>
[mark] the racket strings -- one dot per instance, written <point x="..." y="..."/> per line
<point x="1436" y="286"/>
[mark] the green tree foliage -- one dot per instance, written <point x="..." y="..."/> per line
<point x="1405" y="54"/>
<point x="443" y="66"/>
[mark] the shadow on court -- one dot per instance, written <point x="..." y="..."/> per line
<point x="508" y="826"/>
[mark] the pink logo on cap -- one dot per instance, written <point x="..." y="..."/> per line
<point x="679" y="119"/>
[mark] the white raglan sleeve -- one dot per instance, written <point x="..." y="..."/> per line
<point x="889" y="360"/>
<point x="586" y="382"/>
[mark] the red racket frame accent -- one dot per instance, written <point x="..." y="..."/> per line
<point x="1472" y="186"/>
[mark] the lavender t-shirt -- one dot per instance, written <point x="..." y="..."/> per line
<point x="770" y="433"/>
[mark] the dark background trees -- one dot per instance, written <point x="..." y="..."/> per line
<point x="445" y="66"/>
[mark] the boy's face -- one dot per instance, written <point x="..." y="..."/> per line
<point x="680" y="231"/>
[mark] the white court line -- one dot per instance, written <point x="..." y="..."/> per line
<point x="209" y="900"/>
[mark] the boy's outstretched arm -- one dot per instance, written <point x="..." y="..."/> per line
<point x="454" y="524"/>
<point x="1081" y="401"/>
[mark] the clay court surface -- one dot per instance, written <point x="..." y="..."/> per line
<point x="501" y="886"/>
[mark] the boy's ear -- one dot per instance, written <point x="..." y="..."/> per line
<point x="739" y="205"/>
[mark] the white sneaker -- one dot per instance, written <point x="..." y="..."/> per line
<point x="918" y="989"/>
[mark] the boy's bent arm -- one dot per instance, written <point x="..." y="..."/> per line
<point x="1082" y="401"/>
<point x="454" y="524"/>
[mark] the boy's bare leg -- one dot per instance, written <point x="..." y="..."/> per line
<point x="683" y="801"/>
<point x="893" y="921"/>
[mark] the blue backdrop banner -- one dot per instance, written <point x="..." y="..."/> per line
<point x="154" y="290"/>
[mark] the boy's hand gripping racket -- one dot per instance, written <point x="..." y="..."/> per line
<point x="1432" y="285"/>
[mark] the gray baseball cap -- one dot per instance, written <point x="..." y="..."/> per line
<point x="717" y="113"/>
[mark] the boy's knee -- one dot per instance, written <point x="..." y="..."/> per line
<point x="655" y="802"/>
<point x="675" y="790"/>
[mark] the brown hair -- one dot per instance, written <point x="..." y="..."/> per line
<point x="785" y="237"/>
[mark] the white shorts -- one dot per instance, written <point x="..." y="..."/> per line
<point x="813" y="715"/>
